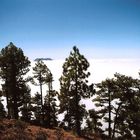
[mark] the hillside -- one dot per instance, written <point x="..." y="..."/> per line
<point x="18" y="130"/>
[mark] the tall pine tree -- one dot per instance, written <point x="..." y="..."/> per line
<point x="26" y="109"/>
<point x="128" y="117"/>
<point x="37" y="107"/>
<point x="104" y="100"/>
<point x="74" y="87"/>
<point x="13" y="66"/>
<point x="117" y="101"/>
<point x="50" y="107"/>
<point x="40" y="72"/>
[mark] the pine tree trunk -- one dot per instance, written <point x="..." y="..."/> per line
<point x="49" y="117"/>
<point x="15" y="107"/>
<point x="78" y="129"/>
<point x="7" y="100"/>
<point x="7" y="96"/>
<point x="77" y="116"/>
<point x="42" y="109"/>
<point x="115" y="121"/>
<point x="109" y="125"/>
<point x="14" y="93"/>
<point x="40" y="79"/>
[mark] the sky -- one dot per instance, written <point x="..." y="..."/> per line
<point x="50" y="28"/>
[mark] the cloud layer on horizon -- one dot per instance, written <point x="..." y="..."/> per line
<point x="100" y="69"/>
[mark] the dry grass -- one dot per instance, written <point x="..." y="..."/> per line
<point x="18" y="130"/>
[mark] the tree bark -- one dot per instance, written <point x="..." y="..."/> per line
<point x="109" y="125"/>
<point x="115" y="121"/>
<point x="78" y="128"/>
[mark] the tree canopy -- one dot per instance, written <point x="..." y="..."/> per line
<point x="74" y="87"/>
<point x="13" y="66"/>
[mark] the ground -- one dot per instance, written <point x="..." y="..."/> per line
<point x="19" y="130"/>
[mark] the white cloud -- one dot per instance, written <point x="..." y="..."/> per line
<point x="100" y="69"/>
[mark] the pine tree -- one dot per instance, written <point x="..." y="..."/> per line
<point x="50" y="107"/>
<point x="40" y="72"/>
<point x="37" y="107"/>
<point x="104" y="100"/>
<point x="128" y="95"/>
<point x="117" y="101"/>
<point x="13" y="66"/>
<point x="73" y="88"/>
<point x="50" y="110"/>
<point x="94" y="122"/>
<point x="26" y="109"/>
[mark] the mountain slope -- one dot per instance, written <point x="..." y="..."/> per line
<point x="19" y="130"/>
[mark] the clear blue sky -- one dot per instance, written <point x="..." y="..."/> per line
<point x="50" y="28"/>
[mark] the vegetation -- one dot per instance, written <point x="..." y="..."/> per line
<point x="117" y="100"/>
<point x="13" y="66"/>
<point x="73" y="88"/>
<point x="40" y="72"/>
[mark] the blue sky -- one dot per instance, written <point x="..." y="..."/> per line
<point x="50" y="28"/>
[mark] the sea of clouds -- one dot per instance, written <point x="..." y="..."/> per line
<point x="100" y="69"/>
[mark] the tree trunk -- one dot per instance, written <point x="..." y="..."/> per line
<point x="40" y="82"/>
<point x="78" y="128"/>
<point x="15" y="108"/>
<point x="49" y="117"/>
<point x="115" y="121"/>
<point x="109" y="125"/>
<point x="42" y="109"/>
<point x="14" y="94"/>
<point x="7" y="100"/>
<point x="7" y="95"/>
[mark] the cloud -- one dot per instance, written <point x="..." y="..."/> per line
<point x="100" y="69"/>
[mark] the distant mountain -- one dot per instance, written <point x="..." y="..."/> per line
<point x="37" y="59"/>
